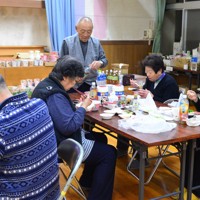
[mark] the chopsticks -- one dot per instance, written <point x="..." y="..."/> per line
<point x="137" y="84"/>
<point x="81" y="93"/>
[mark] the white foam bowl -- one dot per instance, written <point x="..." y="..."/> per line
<point x="125" y="115"/>
<point x="106" y="115"/>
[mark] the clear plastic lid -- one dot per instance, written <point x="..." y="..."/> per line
<point x="184" y="96"/>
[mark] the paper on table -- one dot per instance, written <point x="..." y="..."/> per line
<point x="146" y="124"/>
<point x="150" y="102"/>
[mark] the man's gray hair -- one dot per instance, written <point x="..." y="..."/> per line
<point x="85" y="18"/>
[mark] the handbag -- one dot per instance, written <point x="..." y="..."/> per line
<point x="126" y="79"/>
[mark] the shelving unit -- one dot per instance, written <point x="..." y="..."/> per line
<point x="13" y="75"/>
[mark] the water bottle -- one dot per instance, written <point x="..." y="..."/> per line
<point x="183" y="109"/>
<point x="99" y="78"/>
<point x="120" y="77"/>
<point x="104" y="77"/>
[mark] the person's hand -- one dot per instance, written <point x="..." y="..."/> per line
<point x="192" y="95"/>
<point x="86" y="102"/>
<point x="139" y="84"/>
<point x="134" y="83"/>
<point x="143" y="93"/>
<point x="95" y="65"/>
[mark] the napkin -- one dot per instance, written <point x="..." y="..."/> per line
<point x="150" y="102"/>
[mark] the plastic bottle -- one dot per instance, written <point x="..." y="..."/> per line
<point x="109" y="77"/>
<point x="183" y="109"/>
<point x="134" y="103"/>
<point x="193" y="64"/>
<point x="120" y="75"/>
<point x="115" y="78"/>
<point x="99" y="78"/>
<point x="103" y="78"/>
<point x="93" y="91"/>
<point x="37" y="55"/>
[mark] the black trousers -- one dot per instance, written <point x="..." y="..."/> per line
<point x="123" y="145"/>
<point x="99" y="169"/>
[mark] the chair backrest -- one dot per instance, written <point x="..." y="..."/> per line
<point x="71" y="152"/>
<point x="170" y="101"/>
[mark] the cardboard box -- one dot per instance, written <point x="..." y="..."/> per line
<point x="49" y="64"/>
<point x="180" y="62"/>
<point x="120" y="66"/>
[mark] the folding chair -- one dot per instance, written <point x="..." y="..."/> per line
<point x="162" y="152"/>
<point x="170" y="101"/>
<point x="176" y="145"/>
<point x="71" y="153"/>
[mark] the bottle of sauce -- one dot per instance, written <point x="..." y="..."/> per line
<point x="115" y="78"/>
<point x="109" y="77"/>
<point x="93" y="91"/>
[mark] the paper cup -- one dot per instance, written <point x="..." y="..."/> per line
<point x="175" y="113"/>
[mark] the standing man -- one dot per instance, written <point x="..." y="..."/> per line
<point x="87" y="50"/>
<point x="28" y="148"/>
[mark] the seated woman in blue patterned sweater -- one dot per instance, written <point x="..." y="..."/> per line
<point x="28" y="149"/>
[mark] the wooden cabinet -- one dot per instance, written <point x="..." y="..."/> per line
<point x="130" y="52"/>
<point x="11" y="51"/>
<point x="13" y="75"/>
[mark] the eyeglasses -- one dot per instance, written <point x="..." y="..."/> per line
<point x="82" y="31"/>
<point x="79" y="79"/>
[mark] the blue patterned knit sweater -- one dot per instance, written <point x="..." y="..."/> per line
<point x="28" y="150"/>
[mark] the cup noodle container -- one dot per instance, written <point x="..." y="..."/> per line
<point x="102" y="92"/>
<point x="119" y="90"/>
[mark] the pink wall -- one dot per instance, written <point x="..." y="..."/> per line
<point x="100" y="20"/>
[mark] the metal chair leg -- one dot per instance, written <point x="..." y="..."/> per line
<point x="169" y="168"/>
<point x="77" y="189"/>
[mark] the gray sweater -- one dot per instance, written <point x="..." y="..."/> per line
<point x="71" y="46"/>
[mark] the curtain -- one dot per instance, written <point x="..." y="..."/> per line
<point x="61" y="21"/>
<point x="160" y="11"/>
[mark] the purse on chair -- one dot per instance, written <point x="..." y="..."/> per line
<point x="126" y="79"/>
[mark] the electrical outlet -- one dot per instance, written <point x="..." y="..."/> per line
<point x="151" y="24"/>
